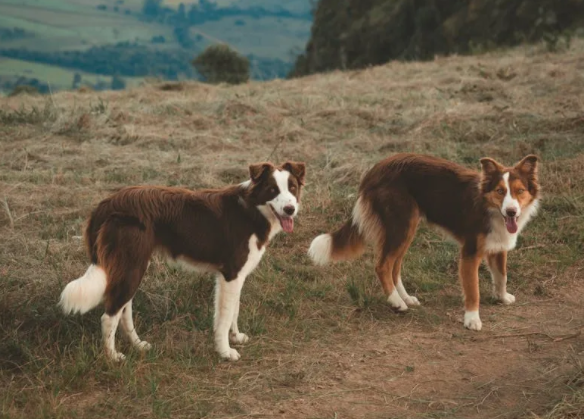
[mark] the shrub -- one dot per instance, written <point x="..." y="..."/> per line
<point x="118" y="83"/>
<point x="219" y="63"/>
<point x="24" y="89"/>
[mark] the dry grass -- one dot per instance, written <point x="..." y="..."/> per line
<point x="324" y="343"/>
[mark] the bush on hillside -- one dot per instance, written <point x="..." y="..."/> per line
<point x="221" y="64"/>
<point x="118" y="83"/>
<point x="24" y="89"/>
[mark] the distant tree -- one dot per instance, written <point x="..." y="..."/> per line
<point x="239" y="22"/>
<point x="102" y="7"/>
<point x="151" y="8"/>
<point x="181" y="14"/>
<point x="24" y="89"/>
<point x="219" y="63"/>
<point x="193" y="14"/>
<point x="118" y="83"/>
<point x="76" y="81"/>
<point x="183" y="36"/>
<point x="158" y="39"/>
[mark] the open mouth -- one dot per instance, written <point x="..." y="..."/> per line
<point x="286" y="222"/>
<point x="511" y="224"/>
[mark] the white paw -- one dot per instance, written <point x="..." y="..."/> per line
<point x="507" y="298"/>
<point x="143" y="346"/>
<point x="411" y="301"/>
<point x="472" y="320"/>
<point x="238" y="338"/>
<point x="115" y="356"/>
<point x="230" y="355"/>
<point x="396" y="302"/>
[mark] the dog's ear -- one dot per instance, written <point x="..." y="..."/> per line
<point x="297" y="169"/>
<point x="528" y="165"/>
<point x="490" y="166"/>
<point x="257" y="170"/>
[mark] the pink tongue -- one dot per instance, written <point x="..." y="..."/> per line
<point x="287" y="224"/>
<point x="511" y="224"/>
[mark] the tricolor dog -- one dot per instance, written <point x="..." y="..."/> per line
<point x="484" y="212"/>
<point x="225" y="231"/>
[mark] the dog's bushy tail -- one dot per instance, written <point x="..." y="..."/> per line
<point x="347" y="242"/>
<point x="85" y="293"/>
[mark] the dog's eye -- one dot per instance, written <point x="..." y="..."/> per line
<point x="272" y="191"/>
<point x="520" y="191"/>
<point x="501" y="191"/>
<point x="292" y="188"/>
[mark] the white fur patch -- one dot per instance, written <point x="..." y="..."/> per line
<point x="499" y="239"/>
<point x="367" y="223"/>
<point x="191" y="265"/>
<point x="509" y="203"/>
<point x="130" y="330"/>
<point x="401" y="290"/>
<point x="396" y="301"/>
<point x="109" y="325"/>
<point x="472" y="320"/>
<point x="227" y="294"/>
<point x="285" y="197"/>
<point x="85" y="293"/>
<point x="320" y="249"/>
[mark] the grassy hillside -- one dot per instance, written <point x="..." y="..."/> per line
<point x="57" y="77"/>
<point x="324" y="343"/>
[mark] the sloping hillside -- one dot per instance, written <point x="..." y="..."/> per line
<point x="324" y="342"/>
<point x="358" y="33"/>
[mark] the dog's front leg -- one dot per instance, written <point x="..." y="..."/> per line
<point x="469" y="277"/>
<point x="235" y="336"/>
<point x="227" y="295"/>
<point x="497" y="264"/>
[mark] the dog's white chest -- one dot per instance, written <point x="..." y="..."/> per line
<point x="499" y="239"/>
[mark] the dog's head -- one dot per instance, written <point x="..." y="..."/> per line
<point x="276" y="190"/>
<point x="510" y="190"/>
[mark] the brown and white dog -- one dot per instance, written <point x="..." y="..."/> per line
<point x="483" y="211"/>
<point x="225" y="231"/>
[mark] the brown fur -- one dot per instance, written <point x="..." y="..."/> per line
<point x="210" y="227"/>
<point x="398" y="191"/>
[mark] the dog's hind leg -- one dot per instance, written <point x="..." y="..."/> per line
<point x="130" y="330"/>
<point x="398" y="216"/>
<point x="397" y="279"/>
<point x="384" y="271"/>
<point x="109" y="326"/>
<point x="124" y="251"/>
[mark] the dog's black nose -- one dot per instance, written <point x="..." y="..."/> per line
<point x="511" y="212"/>
<point x="289" y="209"/>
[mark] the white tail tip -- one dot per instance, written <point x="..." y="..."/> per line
<point x="84" y="293"/>
<point x="321" y="249"/>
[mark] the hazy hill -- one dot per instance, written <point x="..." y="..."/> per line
<point x="358" y="33"/>
<point x="101" y="38"/>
